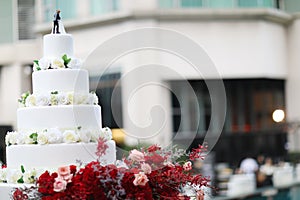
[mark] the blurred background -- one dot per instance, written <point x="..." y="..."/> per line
<point x="254" y="45"/>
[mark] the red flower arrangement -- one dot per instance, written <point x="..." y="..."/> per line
<point x="146" y="174"/>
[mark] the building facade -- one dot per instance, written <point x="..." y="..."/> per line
<point x="252" y="43"/>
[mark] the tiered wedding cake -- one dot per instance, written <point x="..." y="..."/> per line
<point x="59" y="123"/>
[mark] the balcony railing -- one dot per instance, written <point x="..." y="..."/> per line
<point x="218" y="3"/>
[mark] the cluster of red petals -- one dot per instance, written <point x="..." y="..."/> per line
<point x="101" y="147"/>
<point x="197" y="153"/>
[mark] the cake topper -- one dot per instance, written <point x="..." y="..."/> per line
<point x="56" y="22"/>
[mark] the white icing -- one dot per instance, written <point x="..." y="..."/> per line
<point x="63" y="116"/>
<point x="61" y="80"/>
<point x="56" y="155"/>
<point x="56" y="45"/>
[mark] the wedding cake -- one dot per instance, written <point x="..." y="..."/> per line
<point x="59" y="123"/>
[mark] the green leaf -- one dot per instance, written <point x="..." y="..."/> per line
<point x="66" y="59"/>
<point x="20" y="180"/>
<point x="38" y="68"/>
<point x="79" y="127"/>
<point x="36" y="62"/>
<point x="54" y="92"/>
<point x="22" y="169"/>
<point x="34" y="136"/>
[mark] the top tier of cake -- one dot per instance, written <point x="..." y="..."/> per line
<point x="56" y="45"/>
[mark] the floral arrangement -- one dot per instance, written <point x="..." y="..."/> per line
<point x="146" y="174"/>
<point x="56" y="136"/>
<point x="56" y="63"/>
<point x="56" y="98"/>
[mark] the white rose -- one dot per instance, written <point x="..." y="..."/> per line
<point x="80" y="99"/>
<point x="54" y="135"/>
<point x="42" y="138"/>
<point x="42" y="100"/>
<point x="75" y="63"/>
<point x="92" y="99"/>
<point x="70" y="136"/>
<point x="44" y="63"/>
<point x="106" y="133"/>
<point x="13" y="176"/>
<point x="85" y="136"/>
<point x="70" y="96"/>
<point x="3" y="174"/>
<point x="57" y="63"/>
<point x="27" y="139"/>
<point x="62" y="99"/>
<point x="53" y="99"/>
<point x="95" y="135"/>
<point x="11" y="137"/>
<point x="21" y="138"/>
<point x="30" y="101"/>
<point x="29" y="176"/>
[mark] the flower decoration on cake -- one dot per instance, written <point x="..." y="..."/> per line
<point x="57" y="98"/>
<point x="147" y="173"/>
<point x="57" y="63"/>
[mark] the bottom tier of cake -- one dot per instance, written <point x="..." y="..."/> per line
<point x="6" y="189"/>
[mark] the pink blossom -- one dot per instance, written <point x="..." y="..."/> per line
<point x="187" y="166"/>
<point x="200" y="195"/>
<point x="101" y="147"/>
<point x="59" y="184"/>
<point x="140" y="179"/>
<point x="64" y="171"/>
<point x="146" y="168"/>
<point x="136" y="155"/>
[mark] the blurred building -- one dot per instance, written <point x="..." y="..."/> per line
<point x="253" y="43"/>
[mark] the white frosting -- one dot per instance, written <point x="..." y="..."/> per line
<point x="61" y="80"/>
<point x="63" y="116"/>
<point x="53" y="156"/>
<point x="56" y="45"/>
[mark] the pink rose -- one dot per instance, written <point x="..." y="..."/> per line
<point x="187" y="166"/>
<point x="59" y="184"/>
<point x="136" y="155"/>
<point x="146" y="168"/>
<point x="64" y="171"/>
<point x="140" y="179"/>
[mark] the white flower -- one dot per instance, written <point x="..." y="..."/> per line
<point x="79" y="99"/>
<point x="62" y="99"/>
<point x="106" y="133"/>
<point x="57" y="63"/>
<point x="3" y="174"/>
<point x="70" y="136"/>
<point x="27" y="139"/>
<point x="95" y="135"/>
<point x="11" y="138"/>
<point x="92" y="99"/>
<point x="84" y="135"/>
<point x="44" y="63"/>
<point x="13" y="176"/>
<point x="29" y="176"/>
<point x="70" y="96"/>
<point x="121" y="164"/>
<point x="54" y="135"/>
<point x="30" y="101"/>
<point x="75" y="63"/>
<point x="53" y="99"/>
<point x="42" y="100"/>
<point x="42" y="138"/>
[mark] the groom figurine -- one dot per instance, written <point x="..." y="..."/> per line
<point x="56" y="22"/>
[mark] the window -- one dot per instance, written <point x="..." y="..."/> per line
<point x="103" y="6"/>
<point x="67" y="6"/>
<point x="105" y="86"/>
<point x="250" y="104"/>
<point x="26" y="19"/>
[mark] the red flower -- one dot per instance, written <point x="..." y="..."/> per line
<point x="102" y="147"/>
<point x="46" y="183"/>
<point x="153" y="148"/>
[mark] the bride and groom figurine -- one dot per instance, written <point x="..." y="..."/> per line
<point x="58" y="27"/>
